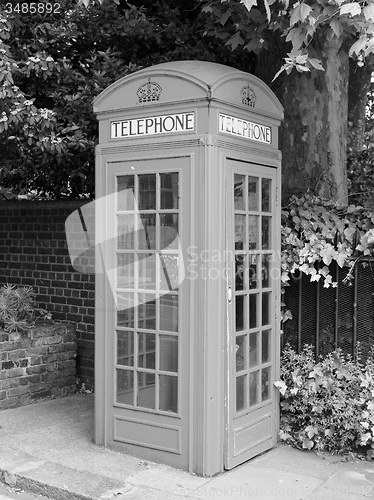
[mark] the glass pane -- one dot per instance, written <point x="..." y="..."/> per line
<point x="265" y="229"/>
<point x="252" y="193"/>
<point x="265" y="308"/>
<point x="253" y="310"/>
<point x="252" y="232"/>
<point x="169" y="313"/>
<point x="146" y="390"/>
<point x="265" y="383"/>
<point x="265" y="346"/>
<point x="239" y="232"/>
<point x="239" y="183"/>
<point x="168" y="353"/>
<point x="147" y="192"/>
<point x="265" y="271"/>
<point x="168" y="231"/>
<point x="253" y="349"/>
<point x="252" y="271"/>
<point x="125" y="232"/>
<point x="168" y="400"/>
<point x="169" y="190"/>
<point x="125" y="387"/>
<point x="125" y="270"/>
<point x="240" y="392"/>
<point x="169" y="272"/>
<point x="239" y="272"/>
<point x="147" y="270"/>
<point x="240" y="352"/>
<point x="147" y="233"/>
<point x="125" y="348"/>
<point x="146" y="350"/>
<point x="125" y="196"/>
<point x="239" y="312"/>
<point x="125" y="310"/>
<point x="146" y="311"/>
<point x="266" y="195"/>
<point x="253" y="388"/>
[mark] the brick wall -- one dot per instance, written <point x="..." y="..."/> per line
<point x="36" y="364"/>
<point x="33" y="251"/>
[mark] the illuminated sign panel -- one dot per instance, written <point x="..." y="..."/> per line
<point x="153" y="125"/>
<point x="243" y="128"/>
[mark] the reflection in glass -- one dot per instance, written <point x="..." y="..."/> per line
<point x="265" y="346"/>
<point x="239" y="183"/>
<point x="240" y="392"/>
<point x="147" y="271"/>
<point x="266" y="191"/>
<point x="169" y="272"/>
<point x="125" y="270"/>
<point x="169" y="190"/>
<point x="125" y="309"/>
<point x="239" y="271"/>
<point x="146" y="390"/>
<point x="147" y="311"/>
<point x="169" y="353"/>
<point x="253" y="310"/>
<point x="146" y="350"/>
<point x="125" y="195"/>
<point x="168" y="397"/>
<point x="168" y="231"/>
<point x="239" y="312"/>
<point x="169" y="312"/>
<point x="252" y="232"/>
<point x="265" y="271"/>
<point x="253" y="193"/>
<point x="253" y="388"/>
<point x="239" y="232"/>
<point x="265" y="383"/>
<point x="253" y="349"/>
<point x="240" y="352"/>
<point x="147" y="233"/>
<point x="125" y="231"/>
<point x="265" y="308"/>
<point x="252" y="271"/>
<point x="125" y="348"/>
<point x="265" y="230"/>
<point x="147" y="192"/>
<point x="125" y="387"/>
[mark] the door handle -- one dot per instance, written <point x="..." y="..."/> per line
<point x="229" y="294"/>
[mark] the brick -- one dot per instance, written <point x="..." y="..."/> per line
<point x="42" y="394"/>
<point x="17" y="391"/>
<point x="2" y="395"/>
<point x="6" y="365"/>
<point x="29" y="379"/>
<point x="15" y="372"/>
<point x="36" y="369"/>
<point x="15" y="355"/>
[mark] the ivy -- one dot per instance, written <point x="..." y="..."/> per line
<point x="317" y="232"/>
<point x="327" y="405"/>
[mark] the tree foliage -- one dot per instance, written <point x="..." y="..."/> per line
<point x="53" y="65"/>
<point x="304" y="24"/>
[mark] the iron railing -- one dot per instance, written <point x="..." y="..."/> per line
<point x="331" y="318"/>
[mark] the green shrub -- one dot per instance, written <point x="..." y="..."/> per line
<point x="327" y="405"/>
<point x="17" y="309"/>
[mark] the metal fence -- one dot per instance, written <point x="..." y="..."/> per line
<point x="331" y="318"/>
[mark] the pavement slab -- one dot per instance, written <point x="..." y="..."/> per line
<point x="47" y="448"/>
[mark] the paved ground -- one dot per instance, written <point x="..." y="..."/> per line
<point x="47" y="448"/>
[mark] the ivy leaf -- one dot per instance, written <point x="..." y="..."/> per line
<point x="249" y="3"/>
<point x="299" y="13"/>
<point x="281" y="386"/>
<point x="369" y="12"/>
<point x="235" y="41"/>
<point x="352" y="8"/>
<point x="336" y="27"/>
<point x="316" y="63"/>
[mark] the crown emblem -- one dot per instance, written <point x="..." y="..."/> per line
<point x="248" y="96"/>
<point x="149" y="91"/>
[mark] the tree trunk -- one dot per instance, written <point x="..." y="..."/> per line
<point x="359" y="85"/>
<point x="313" y="136"/>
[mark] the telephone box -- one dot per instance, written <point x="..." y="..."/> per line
<point x="188" y="266"/>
